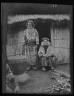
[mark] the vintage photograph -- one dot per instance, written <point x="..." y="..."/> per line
<point x="36" y="48"/>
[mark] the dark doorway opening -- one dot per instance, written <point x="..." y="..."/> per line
<point x="43" y="28"/>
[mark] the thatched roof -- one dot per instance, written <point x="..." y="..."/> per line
<point x="20" y="18"/>
<point x="17" y="11"/>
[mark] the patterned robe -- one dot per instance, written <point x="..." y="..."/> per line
<point x="31" y="41"/>
<point x="45" y="52"/>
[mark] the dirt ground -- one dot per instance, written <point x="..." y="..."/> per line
<point x="40" y="80"/>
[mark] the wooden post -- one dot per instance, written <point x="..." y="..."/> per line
<point x="4" y="42"/>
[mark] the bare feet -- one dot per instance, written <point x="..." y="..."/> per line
<point x="52" y="68"/>
<point x="34" y="68"/>
<point x="28" y="68"/>
<point x="43" y="69"/>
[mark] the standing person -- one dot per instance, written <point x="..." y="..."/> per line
<point x="31" y="41"/>
<point x="45" y="52"/>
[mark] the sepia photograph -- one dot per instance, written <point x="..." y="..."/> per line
<point x="36" y="48"/>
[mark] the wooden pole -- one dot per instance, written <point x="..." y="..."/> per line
<point x="4" y="42"/>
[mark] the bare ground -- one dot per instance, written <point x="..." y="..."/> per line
<point x="40" y="80"/>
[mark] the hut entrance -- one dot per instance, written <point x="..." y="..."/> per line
<point x="43" y="28"/>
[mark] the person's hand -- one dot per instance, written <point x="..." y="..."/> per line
<point x="40" y="54"/>
<point x="37" y="43"/>
<point x="45" y="55"/>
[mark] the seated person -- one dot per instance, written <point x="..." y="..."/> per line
<point x="45" y="53"/>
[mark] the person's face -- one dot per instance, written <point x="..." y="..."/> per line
<point x="29" y="25"/>
<point x="45" y="40"/>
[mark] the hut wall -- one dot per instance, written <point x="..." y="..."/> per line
<point x="14" y="47"/>
<point x="60" y="39"/>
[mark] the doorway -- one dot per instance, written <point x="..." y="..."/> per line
<point x="43" y="28"/>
